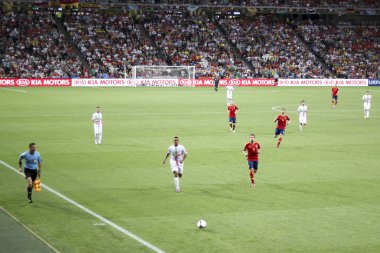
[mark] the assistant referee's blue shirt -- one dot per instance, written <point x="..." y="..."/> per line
<point x="31" y="161"/>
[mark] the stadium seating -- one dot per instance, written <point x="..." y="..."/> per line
<point x="112" y="44"/>
<point x="272" y="46"/>
<point x="350" y="51"/>
<point x="194" y="41"/>
<point x="31" y="46"/>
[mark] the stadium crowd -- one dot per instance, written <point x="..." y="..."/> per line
<point x="31" y="46"/>
<point x="271" y="46"/>
<point x="350" y="51"/>
<point x="196" y="42"/>
<point x="112" y="44"/>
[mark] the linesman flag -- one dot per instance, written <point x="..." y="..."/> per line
<point x="37" y="185"/>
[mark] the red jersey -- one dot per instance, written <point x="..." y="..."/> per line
<point x="253" y="151"/>
<point x="281" y="121"/>
<point x="232" y="110"/>
<point x="334" y="91"/>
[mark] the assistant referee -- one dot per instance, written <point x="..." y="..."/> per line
<point x="32" y="167"/>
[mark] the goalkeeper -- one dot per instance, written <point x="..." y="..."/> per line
<point x="32" y="167"/>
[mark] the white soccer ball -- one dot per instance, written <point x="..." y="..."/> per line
<point x="201" y="224"/>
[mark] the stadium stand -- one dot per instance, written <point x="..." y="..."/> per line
<point x="272" y="46"/>
<point x="31" y="46"/>
<point x="188" y="40"/>
<point x="112" y="44"/>
<point x="350" y="51"/>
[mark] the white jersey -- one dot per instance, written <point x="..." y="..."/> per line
<point x="367" y="98"/>
<point x="367" y="101"/>
<point x="177" y="152"/>
<point x="97" y="118"/>
<point x="302" y="111"/>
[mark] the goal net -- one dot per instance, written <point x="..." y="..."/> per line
<point x="163" y="75"/>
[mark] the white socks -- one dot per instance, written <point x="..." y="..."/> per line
<point x="176" y="182"/>
<point x="366" y="114"/>
<point x="98" y="138"/>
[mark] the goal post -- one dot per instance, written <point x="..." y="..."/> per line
<point x="163" y="75"/>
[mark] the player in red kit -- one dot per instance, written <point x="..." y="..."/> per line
<point x="232" y="110"/>
<point x="282" y="121"/>
<point x="334" y="96"/>
<point x="251" y="151"/>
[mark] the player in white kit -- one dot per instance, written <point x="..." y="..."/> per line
<point x="230" y="90"/>
<point x="302" y="111"/>
<point x="367" y="104"/>
<point x="97" y="119"/>
<point x="178" y="155"/>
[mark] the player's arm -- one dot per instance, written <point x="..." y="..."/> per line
<point x="259" y="148"/>
<point x="166" y="157"/>
<point x="39" y="167"/>
<point x="184" y="157"/>
<point x="20" y="163"/>
<point x="245" y="151"/>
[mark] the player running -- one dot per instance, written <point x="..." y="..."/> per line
<point x="334" y="96"/>
<point x="232" y="110"/>
<point x="251" y="151"/>
<point x="230" y="90"/>
<point x="302" y="111"/>
<point x="367" y="104"/>
<point x="282" y="120"/>
<point x="178" y="155"/>
<point x="32" y="167"/>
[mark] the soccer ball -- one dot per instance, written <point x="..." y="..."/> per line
<point x="201" y="224"/>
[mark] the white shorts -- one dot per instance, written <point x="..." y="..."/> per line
<point x="98" y="129"/>
<point x="367" y="106"/>
<point x="229" y="95"/>
<point x="178" y="167"/>
<point x="302" y="119"/>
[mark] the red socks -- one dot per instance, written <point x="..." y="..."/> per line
<point x="279" y="142"/>
<point x="252" y="176"/>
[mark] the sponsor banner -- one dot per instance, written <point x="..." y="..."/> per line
<point x="225" y="82"/>
<point x="35" y="82"/>
<point x="123" y="82"/>
<point x="102" y="82"/>
<point x="157" y="82"/>
<point x="373" y="82"/>
<point x="322" y="82"/>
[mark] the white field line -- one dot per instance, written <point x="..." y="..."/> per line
<point x="29" y="230"/>
<point x="23" y="91"/>
<point x="98" y="216"/>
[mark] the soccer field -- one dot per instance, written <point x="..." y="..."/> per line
<point x="319" y="192"/>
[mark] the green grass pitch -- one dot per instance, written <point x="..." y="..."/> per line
<point x="319" y="192"/>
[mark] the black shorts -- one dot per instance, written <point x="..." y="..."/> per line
<point x="30" y="173"/>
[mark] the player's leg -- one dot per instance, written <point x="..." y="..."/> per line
<point x="251" y="173"/>
<point x="230" y="121"/>
<point x="280" y="139"/>
<point x="96" y="133"/>
<point x="255" y="168"/>
<point x="29" y="182"/>
<point x="233" y="124"/>
<point x="174" y="167"/>
<point x="100" y="133"/>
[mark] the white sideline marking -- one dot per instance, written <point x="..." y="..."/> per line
<point x="99" y="224"/>
<point x="23" y="91"/>
<point x="85" y="209"/>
